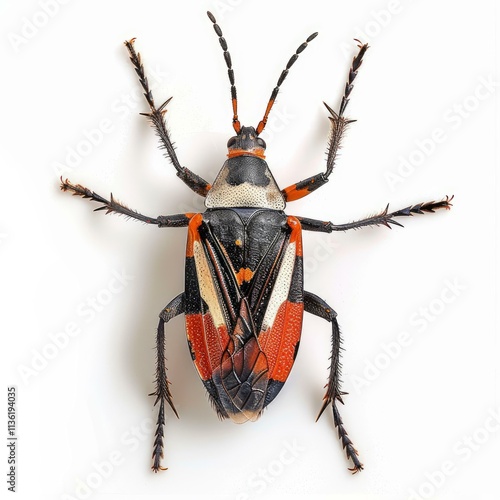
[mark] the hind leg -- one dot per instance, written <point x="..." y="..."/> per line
<point x="162" y="392"/>
<point x="317" y="306"/>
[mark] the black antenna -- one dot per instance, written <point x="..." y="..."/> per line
<point x="281" y="79"/>
<point x="230" y="73"/>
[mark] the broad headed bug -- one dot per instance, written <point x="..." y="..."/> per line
<point x="244" y="297"/>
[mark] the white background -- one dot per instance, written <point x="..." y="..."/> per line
<point x="409" y="415"/>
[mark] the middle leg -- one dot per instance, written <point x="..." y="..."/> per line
<point x="383" y="218"/>
<point x="114" y="206"/>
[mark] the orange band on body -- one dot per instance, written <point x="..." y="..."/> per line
<point x="193" y="234"/>
<point x="296" y="236"/>
<point x="259" y="153"/>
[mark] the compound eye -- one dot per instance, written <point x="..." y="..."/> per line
<point x="231" y="142"/>
<point x="261" y="143"/>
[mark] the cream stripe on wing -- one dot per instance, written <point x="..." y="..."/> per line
<point x="207" y="289"/>
<point x="281" y="287"/>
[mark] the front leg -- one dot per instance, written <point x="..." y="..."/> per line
<point x="114" y="206"/>
<point x="385" y="218"/>
<point x="339" y="125"/>
<point x="193" y="181"/>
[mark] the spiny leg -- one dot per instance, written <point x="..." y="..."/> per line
<point x="338" y="127"/>
<point x="317" y="306"/>
<point x="113" y="206"/>
<point x="162" y="392"/>
<point x="156" y="116"/>
<point x="383" y="218"/>
<point x="339" y="123"/>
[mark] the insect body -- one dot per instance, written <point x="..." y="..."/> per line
<point x="244" y="297"/>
